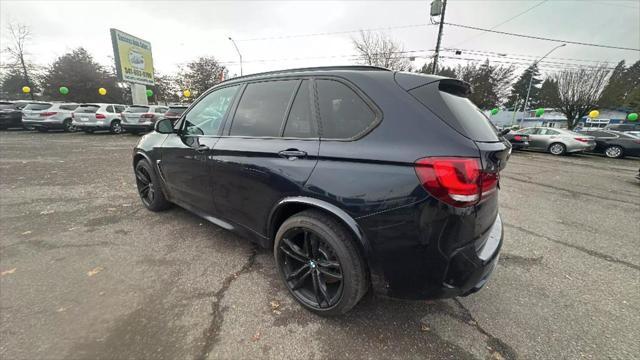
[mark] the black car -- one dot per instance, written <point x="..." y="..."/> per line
<point x="174" y="112"/>
<point x="623" y="127"/>
<point x="356" y="177"/>
<point x="518" y="141"/>
<point x="11" y="114"/>
<point x="614" y="144"/>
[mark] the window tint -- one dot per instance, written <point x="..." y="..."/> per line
<point x="343" y="113"/>
<point x="262" y="108"/>
<point x="37" y="107"/>
<point x="160" y="110"/>
<point x="120" y="108"/>
<point x="137" y="109"/>
<point x="68" y="107"/>
<point x="300" y="122"/>
<point x="109" y="109"/>
<point x="87" y="108"/>
<point x="206" y="116"/>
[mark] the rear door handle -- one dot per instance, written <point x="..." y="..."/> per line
<point x="292" y="154"/>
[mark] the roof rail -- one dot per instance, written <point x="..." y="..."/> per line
<point x="318" y="68"/>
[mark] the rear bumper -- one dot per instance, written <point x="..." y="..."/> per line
<point x="425" y="252"/>
<point x="137" y="127"/>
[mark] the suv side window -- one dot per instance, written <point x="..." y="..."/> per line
<point x="343" y="113"/>
<point x="301" y="123"/>
<point x="206" y="116"/>
<point x="109" y="109"/>
<point x="119" y="108"/>
<point x="262" y="108"/>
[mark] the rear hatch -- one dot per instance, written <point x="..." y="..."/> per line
<point x="447" y="99"/>
<point x="86" y="113"/>
<point x="36" y="111"/>
<point x="133" y="114"/>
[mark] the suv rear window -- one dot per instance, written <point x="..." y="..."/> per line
<point x="37" y="107"/>
<point x="343" y="113"/>
<point x="6" y="106"/>
<point x="457" y="111"/>
<point x="87" y="109"/>
<point x="137" y="109"/>
<point x="68" y="107"/>
<point x="262" y="108"/>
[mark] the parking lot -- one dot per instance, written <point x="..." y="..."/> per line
<point x="88" y="273"/>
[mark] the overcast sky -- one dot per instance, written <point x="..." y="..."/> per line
<point x="180" y="31"/>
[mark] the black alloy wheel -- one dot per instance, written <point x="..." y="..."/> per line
<point x="145" y="184"/>
<point x="311" y="269"/>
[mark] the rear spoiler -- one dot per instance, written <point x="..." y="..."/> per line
<point x="410" y="81"/>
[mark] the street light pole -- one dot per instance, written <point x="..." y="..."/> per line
<point x="526" y="101"/>
<point x="238" y="50"/>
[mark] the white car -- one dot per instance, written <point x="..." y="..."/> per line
<point x="44" y="116"/>
<point x="96" y="116"/>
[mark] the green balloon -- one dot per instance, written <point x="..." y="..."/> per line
<point x="494" y="111"/>
<point x="632" y="116"/>
<point x="149" y="93"/>
<point x="539" y="112"/>
<point x="63" y="90"/>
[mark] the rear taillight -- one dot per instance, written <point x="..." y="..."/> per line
<point x="49" y="113"/>
<point x="146" y="116"/>
<point x="100" y="116"/>
<point x="517" y="138"/>
<point x="581" y="139"/>
<point x="456" y="181"/>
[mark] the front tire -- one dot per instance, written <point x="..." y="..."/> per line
<point x="557" y="149"/>
<point x="68" y="126"/>
<point x="116" y="127"/>
<point x="614" y="152"/>
<point x="149" y="187"/>
<point x="320" y="263"/>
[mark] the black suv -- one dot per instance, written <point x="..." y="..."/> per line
<point x="357" y="177"/>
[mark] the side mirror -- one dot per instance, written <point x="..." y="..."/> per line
<point x="163" y="126"/>
<point x="505" y="132"/>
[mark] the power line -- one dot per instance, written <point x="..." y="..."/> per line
<point x="504" y="22"/>
<point x="541" y="38"/>
<point x="533" y="57"/>
<point x="334" y="32"/>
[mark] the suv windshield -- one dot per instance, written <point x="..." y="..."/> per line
<point x="37" y="107"/>
<point x="87" y="108"/>
<point x="137" y="109"/>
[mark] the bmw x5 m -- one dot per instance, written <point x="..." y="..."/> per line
<point x="358" y="178"/>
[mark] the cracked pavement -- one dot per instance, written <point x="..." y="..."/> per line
<point x="87" y="273"/>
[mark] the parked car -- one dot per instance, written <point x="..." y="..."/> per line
<point x="518" y="141"/>
<point x="304" y="162"/>
<point x="140" y="118"/>
<point x="558" y="141"/>
<point x="45" y="116"/>
<point x="174" y="112"/>
<point x="11" y="114"/>
<point x="633" y="133"/>
<point x="614" y="144"/>
<point x="96" y="117"/>
<point x="623" y="127"/>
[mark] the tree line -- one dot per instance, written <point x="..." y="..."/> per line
<point x="573" y="91"/>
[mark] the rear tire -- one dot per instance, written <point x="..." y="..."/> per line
<point x="67" y="126"/>
<point x="149" y="188"/>
<point x="614" y="152"/>
<point x="116" y="127"/>
<point x="320" y="263"/>
<point x="557" y="149"/>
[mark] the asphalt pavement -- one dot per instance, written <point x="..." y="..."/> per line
<point x="87" y="273"/>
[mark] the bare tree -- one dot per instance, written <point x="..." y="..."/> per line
<point x="377" y="49"/>
<point x="20" y="35"/>
<point x="579" y="91"/>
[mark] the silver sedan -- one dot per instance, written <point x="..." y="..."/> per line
<point x="558" y="141"/>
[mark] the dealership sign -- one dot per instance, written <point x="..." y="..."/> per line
<point x="134" y="62"/>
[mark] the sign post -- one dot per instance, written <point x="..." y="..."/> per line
<point x="134" y="63"/>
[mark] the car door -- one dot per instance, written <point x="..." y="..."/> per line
<point x="183" y="155"/>
<point x="535" y="141"/>
<point x="269" y="152"/>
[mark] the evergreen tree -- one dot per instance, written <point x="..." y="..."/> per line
<point x="442" y="70"/>
<point x="520" y="87"/>
<point x="548" y="96"/>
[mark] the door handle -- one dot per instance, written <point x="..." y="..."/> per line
<point x="292" y="154"/>
<point x="202" y="148"/>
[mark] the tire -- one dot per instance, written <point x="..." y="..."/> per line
<point x="614" y="152"/>
<point x="149" y="189"/>
<point x="337" y="267"/>
<point x="42" y="129"/>
<point x="67" y="126"/>
<point x="115" y="127"/>
<point x="557" y="149"/>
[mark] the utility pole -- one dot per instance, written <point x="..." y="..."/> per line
<point x="238" y="51"/>
<point x="437" y="54"/>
